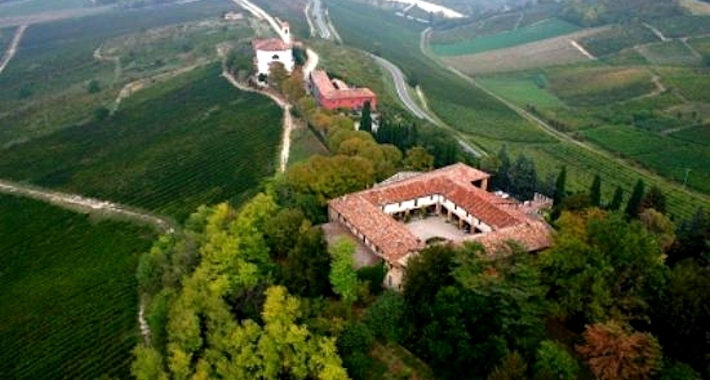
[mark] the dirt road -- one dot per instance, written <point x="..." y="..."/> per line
<point x="12" y="50"/>
<point x="80" y="203"/>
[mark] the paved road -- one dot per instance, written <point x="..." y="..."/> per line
<point x="401" y="86"/>
<point x="320" y="23"/>
<point x="10" y="53"/>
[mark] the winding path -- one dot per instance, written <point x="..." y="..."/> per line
<point x="12" y="50"/>
<point x="76" y="202"/>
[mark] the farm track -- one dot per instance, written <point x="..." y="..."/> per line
<point x="12" y="49"/>
<point x="80" y="203"/>
<point x="545" y="127"/>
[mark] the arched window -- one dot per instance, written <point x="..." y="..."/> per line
<point x="275" y="56"/>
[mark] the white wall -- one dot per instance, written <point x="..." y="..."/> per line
<point x="433" y="200"/>
<point x="265" y="58"/>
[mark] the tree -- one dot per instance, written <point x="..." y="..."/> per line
<point x="633" y="206"/>
<point x="654" y="199"/>
<point x="616" y="200"/>
<point x="602" y="266"/>
<point x="560" y="191"/>
<point x="682" y="320"/>
<point x="595" y="191"/>
<point x="513" y="367"/>
<point x="417" y="159"/>
<point x="615" y="353"/>
<point x="554" y="362"/>
<point x="366" y="117"/>
<point x="148" y="364"/>
<point x="342" y="276"/>
<point x="660" y="226"/>
<point x="283" y="229"/>
<point x="305" y="270"/>
<point x="502" y="181"/>
<point x="93" y="87"/>
<point x="385" y="317"/>
<point x="277" y="75"/>
<point x="523" y="178"/>
<point x="102" y="113"/>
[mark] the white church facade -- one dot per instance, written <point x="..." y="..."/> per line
<point x="269" y="51"/>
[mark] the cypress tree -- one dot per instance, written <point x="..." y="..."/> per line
<point x="366" y="117"/>
<point x="595" y="191"/>
<point x="617" y="199"/>
<point x="634" y="204"/>
<point x="560" y="187"/>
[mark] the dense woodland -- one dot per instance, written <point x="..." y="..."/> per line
<point x="257" y="293"/>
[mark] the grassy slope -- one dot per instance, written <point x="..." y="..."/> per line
<point x="44" y="88"/>
<point x="489" y="122"/>
<point x="68" y="303"/>
<point x="536" y="32"/>
<point x="171" y="148"/>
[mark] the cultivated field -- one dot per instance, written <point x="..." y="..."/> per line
<point x="599" y="85"/>
<point x="549" y="52"/>
<point x="45" y="87"/>
<point x="617" y="38"/>
<point x="195" y="140"/>
<point x="68" y="304"/>
<point x="669" y="53"/>
<point x="539" y="31"/>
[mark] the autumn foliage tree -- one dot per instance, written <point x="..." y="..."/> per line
<point x="613" y="352"/>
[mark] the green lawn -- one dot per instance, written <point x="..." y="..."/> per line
<point x="536" y="32"/>
<point x="68" y="304"/>
<point x="171" y="148"/>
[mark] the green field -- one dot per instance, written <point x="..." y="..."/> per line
<point x="536" y="32"/>
<point x="599" y="85"/>
<point x="195" y="140"/>
<point x="68" y="303"/>
<point x="45" y="86"/>
<point x="21" y="8"/>
<point x="617" y="38"/>
<point x="670" y="53"/>
<point x="691" y="84"/>
<point x="683" y="26"/>
<point x="523" y="89"/>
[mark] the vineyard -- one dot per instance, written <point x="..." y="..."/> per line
<point x="536" y="32"/>
<point x="665" y="155"/>
<point x="594" y="85"/>
<point x="618" y="38"/>
<point x="171" y="148"/>
<point x="45" y="86"/>
<point x="669" y="53"/>
<point x="68" y="304"/>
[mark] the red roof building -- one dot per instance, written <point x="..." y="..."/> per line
<point x="457" y="193"/>
<point x="334" y="94"/>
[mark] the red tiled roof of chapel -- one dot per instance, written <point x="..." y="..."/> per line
<point x="271" y="44"/>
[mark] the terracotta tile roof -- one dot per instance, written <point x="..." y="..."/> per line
<point x="326" y="88"/>
<point x="271" y="44"/>
<point x="456" y="183"/>
<point x="391" y="238"/>
<point x="532" y="235"/>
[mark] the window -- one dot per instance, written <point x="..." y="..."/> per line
<point x="275" y="56"/>
<point x="416" y="202"/>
